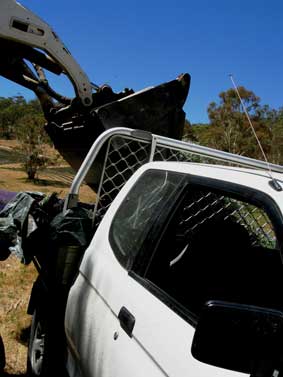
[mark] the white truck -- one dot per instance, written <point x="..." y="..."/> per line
<point x="183" y="273"/>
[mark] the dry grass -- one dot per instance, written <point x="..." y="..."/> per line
<point x="54" y="178"/>
<point x="15" y="286"/>
<point x="16" y="279"/>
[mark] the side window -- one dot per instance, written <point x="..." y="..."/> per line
<point x="216" y="247"/>
<point x="139" y="211"/>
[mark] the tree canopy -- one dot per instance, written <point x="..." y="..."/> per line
<point x="229" y="129"/>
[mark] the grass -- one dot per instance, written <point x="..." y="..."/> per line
<point x="15" y="286"/>
<point x="16" y="279"/>
<point x="54" y="178"/>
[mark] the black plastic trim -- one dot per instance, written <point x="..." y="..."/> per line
<point x="127" y="321"/>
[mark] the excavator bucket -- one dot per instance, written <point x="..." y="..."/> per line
<point x="157" y="110"/>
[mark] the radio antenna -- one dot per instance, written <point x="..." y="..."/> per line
<point x="274" y="184"/>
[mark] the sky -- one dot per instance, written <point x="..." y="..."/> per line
<point x="137" y="44"/>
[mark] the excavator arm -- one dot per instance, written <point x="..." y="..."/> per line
<point x="21" y="34"/>
<point x="29" y="47"/>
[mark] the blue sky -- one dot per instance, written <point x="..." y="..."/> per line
<point x="137" y="44"/>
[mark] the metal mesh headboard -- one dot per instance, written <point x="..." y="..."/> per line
<point x="207" y="206"/>
<point x="126" y="154"/>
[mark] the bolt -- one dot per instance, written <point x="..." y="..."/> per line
<point x="87" y="101"/>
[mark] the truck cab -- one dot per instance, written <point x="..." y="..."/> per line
<point x="177" y="236"/>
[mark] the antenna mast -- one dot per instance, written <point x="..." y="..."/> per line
<point x="274" y="183"/>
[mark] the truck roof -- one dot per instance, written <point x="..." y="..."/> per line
<point x="254" y="178"/>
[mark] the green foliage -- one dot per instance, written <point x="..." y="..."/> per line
<point x="274" y="121"/>
<point x="32" y="140"/>
<point x="229" y="128"/>
<point x="188" y="134"/>
<point x="12" y="109"/>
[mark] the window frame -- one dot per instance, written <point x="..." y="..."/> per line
<point x="153" y="239"/>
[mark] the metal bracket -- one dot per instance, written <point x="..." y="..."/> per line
<point x="71" y="201"/>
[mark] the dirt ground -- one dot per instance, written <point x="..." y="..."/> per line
<point x="52" y="179"/>
<point x="15" y="286"/>
<point x="16" y="279"/>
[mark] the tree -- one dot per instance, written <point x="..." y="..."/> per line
<point x="229" y="128"/>
<point x="10" y="112"/>
<point x="12" y="109"/>
<point x="274" y="120"/>
<point x="188" y="134"/>
<point x="32" y="139"/>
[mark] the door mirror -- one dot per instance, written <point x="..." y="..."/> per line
<point x="242" y="338"/>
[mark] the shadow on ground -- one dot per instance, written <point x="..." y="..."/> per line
<point x="10" y="157"/>
<point x="23" y="336"/>
<point x="50" y="182"/>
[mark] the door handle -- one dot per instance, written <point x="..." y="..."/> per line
<point x="127" y="321"/>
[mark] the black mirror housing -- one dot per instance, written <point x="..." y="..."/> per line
<point x="243" y="338"/>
